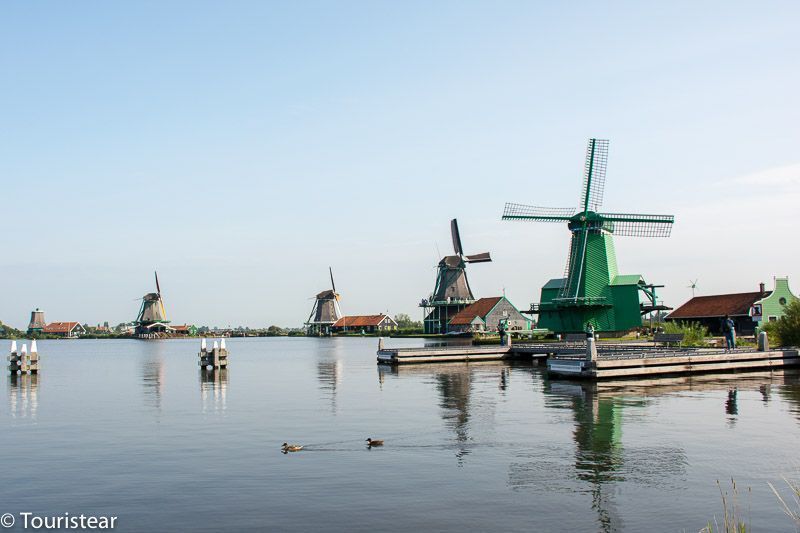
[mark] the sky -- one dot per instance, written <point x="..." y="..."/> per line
<point x="242" y="148"/>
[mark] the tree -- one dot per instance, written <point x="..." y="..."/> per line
<point x="274" y="331"/>
<point x="7" y="332"/>
<point x="786" y="330"/>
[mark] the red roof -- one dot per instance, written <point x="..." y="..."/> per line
<point x="718" y="305"/>
<point x="360" y="321"/>
<point x="59" y="327"/>
<point x="480" y="308"/>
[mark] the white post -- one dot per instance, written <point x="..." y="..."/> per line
<point x="33" y="346"/>
<point x="222" y="344"/>
<point x="13" y="346"/>
<point x="203" y="347"/>
<point x="591" y="349"/>
<point x="763" y="342"/>
<point x="380" y="343"/>
<point x="216" y="345"/>
<point x="24" y="349"/>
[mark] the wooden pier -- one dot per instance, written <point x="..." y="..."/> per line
<point x="601" y="363"/>
<point x="442" y="354"/>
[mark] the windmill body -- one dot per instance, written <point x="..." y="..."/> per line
<point x="326" y="311"/>
<point x="592" y="291"/>
<point x="452" y="292"/>
<point x="152" y="317"/>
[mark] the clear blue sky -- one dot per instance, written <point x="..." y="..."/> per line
<point x="242" y="147"/>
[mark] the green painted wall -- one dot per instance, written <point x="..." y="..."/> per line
<point x="773" y="305"/>
<point x="619" y="308"/>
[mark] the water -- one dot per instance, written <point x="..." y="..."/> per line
<point x="133" y="429"/>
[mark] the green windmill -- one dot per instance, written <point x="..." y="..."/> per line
<point x="592" y="291"/>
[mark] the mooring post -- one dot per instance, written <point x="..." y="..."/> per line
<point x="763" y="342"/>
<point x="380" y="344"/>
<point x="591" y="349"/>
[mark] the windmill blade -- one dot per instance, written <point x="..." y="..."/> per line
<point x="158" y="289"/>
<point x="333" y="285"/>
<point x="635" y="225"/>
<point x="514" y="211"/>
<point x="456" y="237"/>
<point x="594" y="175"/>
<point x="479" y="258"/>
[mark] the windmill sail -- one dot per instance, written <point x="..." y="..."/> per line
<point x="594" y="175"/>
<point x="457" y="248"/>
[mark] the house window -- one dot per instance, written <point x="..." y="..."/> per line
<point x="773" y="319"/>
<point x="782" y="301"/>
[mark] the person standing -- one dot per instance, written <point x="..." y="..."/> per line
<point x="729" y="330"/>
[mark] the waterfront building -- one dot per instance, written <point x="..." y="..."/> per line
<point x="452" y="292"/>
<point x="364" y="324"/>
<point x="748" y="310"/>
<point x="325" y="312"/>
<point x="37" y="323"/>
<point x="486" y="314"/>
<point x="69" y="330"/>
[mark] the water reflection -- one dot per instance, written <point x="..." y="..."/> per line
<point x="23" y="395"/>
<point x="330" y="371"/>
<point x="454" y="383"/>
<point x="153" y="381"/>
<point x="213" y="389"/>
<point x="790" y="394"/>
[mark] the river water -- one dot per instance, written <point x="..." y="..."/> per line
<point x="133" y="429"/>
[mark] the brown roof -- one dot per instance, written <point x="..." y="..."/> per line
<point x="480" y="308"/>
<point x="59" y="327"/>
<point x="718" y="305"/>
<point x="359" y="321"/>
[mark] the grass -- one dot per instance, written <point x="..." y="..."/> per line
<point x="792" y="512"/>
<point x="732" y="519"/>
<point x="693" y="334"/>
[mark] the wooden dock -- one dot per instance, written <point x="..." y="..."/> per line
<point x="666" y="362"/>
<point x="442" y="354"/>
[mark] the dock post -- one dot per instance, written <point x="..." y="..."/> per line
<point x="380" y="343"/>
<point x="763" y="342"/>
<point x="591" y="349"/>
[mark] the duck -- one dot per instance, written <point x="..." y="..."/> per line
<point x="376" y="442"/>
<point x="291" y="447"/>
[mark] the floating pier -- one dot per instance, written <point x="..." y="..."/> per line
<point x="639" y="361"/>
<point x="587" y="359"/>
<point x="443" y="354"/>
<point x="216" y="357"/>
<point x="22" y="361"/>
<point x="446" y="354"/>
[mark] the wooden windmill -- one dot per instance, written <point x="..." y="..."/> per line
<point x="325" y="312"/>
<point x="152" y="317"/>
<point x="451" y="293"/>
<point x="592" y="291"/>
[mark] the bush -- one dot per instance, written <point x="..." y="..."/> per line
<point x="786" y="330"/>
<point x="693" y="334"/>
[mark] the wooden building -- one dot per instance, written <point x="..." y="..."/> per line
<point x="485" y="315"/>
<point x="69" y="330"/>
<point x="364" y="324"/>
<point x="747" y="309"/>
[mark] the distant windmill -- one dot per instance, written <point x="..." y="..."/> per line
<point x="325" y="312"/>
<point x="452" y="291"/>
<point x="152" y="317"/>
<point x="592" y="290"/>
<point x="693" y="286"/>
